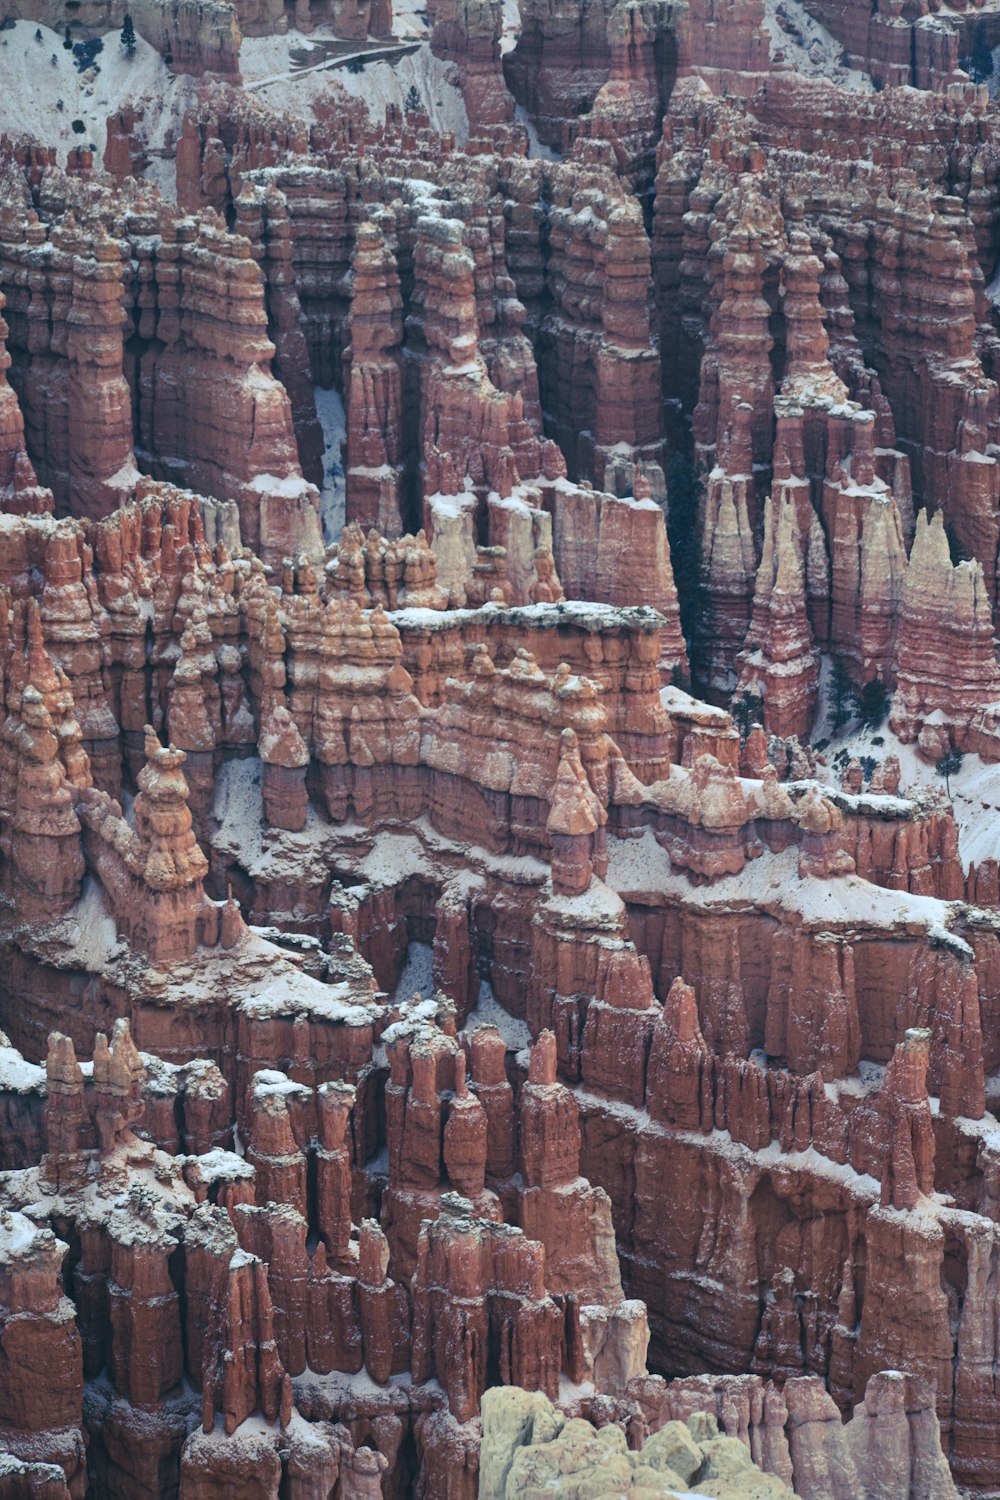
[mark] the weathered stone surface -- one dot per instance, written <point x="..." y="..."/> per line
<point x="416" y="1004"/>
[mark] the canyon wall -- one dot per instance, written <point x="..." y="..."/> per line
<point x="502" y="979"/>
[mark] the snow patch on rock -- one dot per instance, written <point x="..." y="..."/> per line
<point x="43" y="92"/>
<point x="489" y="1012"/>
<point x="975" y="786"/>
<point x="800" y="42"/>
<point x="265" y="63"/>
<point x="416" y="978"/>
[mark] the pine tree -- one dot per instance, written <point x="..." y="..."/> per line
<point x="873" y="704"/>
<point x="747" y="710"/>
<point x="948" y="765"/>
<point x="128" y="36"/>
<point x="843" y="699"/>
<point x="684" y="491"/>
<point x="412" y="101"/>
<point x="979" y="64"/>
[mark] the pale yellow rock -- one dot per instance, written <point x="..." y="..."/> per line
<point x="673" y="1449"/>
<point x="731" y="1474"/>
<point x="512" y="1419"/>
<point x="580" y="1464"/>
<point x="531" y="1452"/>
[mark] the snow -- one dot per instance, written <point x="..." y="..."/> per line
<point x="17" y="1074"/>
<point x="975" y="787"/>
<point x="18" y="1235"/>
<point x="290" y="992"/>
<point x="582" y="614"/>
<point x="266" y="854"/>
<point x="993" y="288"/>
<point x="571" y="1390"/>
<point x="45" y="525"/>
<point x="31" y="1471"/>
<point x="255" y="1436"/>
<point x="272" y="1081"/>
<point x="511" y="26"/>
<point x="125" y="476"/>
<point x="385" y="860"/>
<point x="378" y="1165"/>
<point x="239" y="807"/>
<point x="817" y="1165"/>
<point x="801" y="42"/>
<point x="330" y="58"/>
<point x="339" y="1383"/>
<point x="290" y="487"/>
<point x="772" y="1156"/>
<point x="536" y="146"/>
<point x="265" y="63"/>
<point x="866" y="1080"/>
<point x="392" y="858"/>
<point x="219" y="1165"/>
<point x="450" y="507"/>
<point x="418" y="1013"/>
<point x="332" y="501"/>
<point x="597" y="904"/>
<point x="34" y="85"/>
<point x="299" y="942"/>
<point x="676" y="701"/>
<point x="410" y="18"/>
<point x="986" y="1130"/>
<point x="416" y="977"/>
<point x="637" y="865"/>
<point x="639" y="873"/>
<point x="489" y="1012"/>
<point x="87" y="931"/>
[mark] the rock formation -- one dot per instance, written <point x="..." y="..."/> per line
<point x="499" y="906"/>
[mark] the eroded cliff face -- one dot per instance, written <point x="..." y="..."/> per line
<point x="463" y="1024"/>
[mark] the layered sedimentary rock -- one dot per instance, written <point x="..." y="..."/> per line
<point x="20" y="492"/>
<point x="373" y="473"/>
<point x="946" y="653"/>
<point x="517" y="763"/>
<point x="707" y="1436"/>
<point x="468" y="34"/>
<point x="440" y="1053"/>
<point x="116" y="375"/>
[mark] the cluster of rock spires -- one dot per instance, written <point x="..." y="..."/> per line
<point x="679" y="1172"/>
